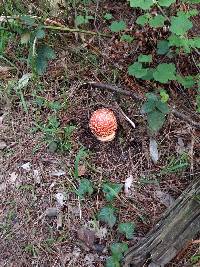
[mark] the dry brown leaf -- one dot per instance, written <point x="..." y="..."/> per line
<point x="164" y="198"/>
<point x="87" y="236"/>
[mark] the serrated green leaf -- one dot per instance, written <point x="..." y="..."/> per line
<point x="157" y="21"/>
<point x="127" y="229"/>
<point x="137" y="70"/>
<point x="163" y="107"/>
<point x="108" y="16"/>
<point x="162" y="47"/>
<point x="182" y="20"/>
<point x="166" y="3"/>
<point x="143" y="19"/>
<point x="149" y="75"/>
<point x="85" y="187"/>
<point x="112" y="262"/>
<point x="118" y="249"/>
<point x="145" y="58"/>
<point x="107" y="215"/>
<point x="189" y="13"/>
<point x="111" y="190"/>
<point x="186" y="81"/>
<point x="118" y="26"/>
<point x="165" y="72"/>
<point x="143" y="4"/>
<point x="164" y="96"/>
<point x="155" y="120"/>
<point x="126" y="38"/>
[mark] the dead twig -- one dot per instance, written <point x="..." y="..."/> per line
<point x="116" y="89"/>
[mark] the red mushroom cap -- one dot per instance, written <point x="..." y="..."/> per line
<point x="103" y="124"/>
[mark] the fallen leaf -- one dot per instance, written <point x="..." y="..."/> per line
<point x="164" y="198"/>
<point x="2" y="145"/>
<point x="60" y="199"/>
<point x="87" y="236"/>
<point x="153" y="149"/>
<point x="128" y="184"/>
<point x="13" y="177"/>
<point x="26" y="166"/>
<point x="81" y="170"/>
<point x="36" y="176"/>
<point x="51" y="212"/>
<point x="180" y="146"/>
<point x="58" y="173"/>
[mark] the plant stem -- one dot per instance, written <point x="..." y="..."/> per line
<point x="66" y="29"/>
<point x="162" y="11"/>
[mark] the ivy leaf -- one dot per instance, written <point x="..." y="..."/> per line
<point x="163" y="107"/>
<point x="165" y="72"/>
<point x="127" y="229"/>
<point x="162" y="47"/>
<point x="164" y="96"/>
<point x="137" y="70"/>
<point x="85" y="187"/>
<point x="111" y="190"/>
<point x="145" y="58"/>
<point x="186" y="81"/>
<point x="108" y="16"/>
<point x="143" y="19"/>
<point x="107" y="215"/>
<point x="157" y="21"/>
<point x="143" y="4"/>
<point x="126" y="38"/>
<point x="44" y="54"/>
<point x="117" y="26"/>
<point x="166" y="3"/>
<point x="112" y="262"/>
<point x="155" y="120"/>
<point x="118" y="249"/>
<point x="182" y="20"/>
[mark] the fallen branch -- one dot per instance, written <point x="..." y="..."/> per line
<point x="116" y="89"/>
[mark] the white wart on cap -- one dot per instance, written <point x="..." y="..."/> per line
<point x="103" y="124"/>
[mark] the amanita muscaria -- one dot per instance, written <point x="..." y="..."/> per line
<point x="103" y="124"/>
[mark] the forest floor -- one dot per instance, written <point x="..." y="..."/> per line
<point x="34" y="170"/>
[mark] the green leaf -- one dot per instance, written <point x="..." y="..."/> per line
<point x="112" y="262"/>
<point x="165" y="72"/>
<point x="79" y="20"/>
<point x="126" y="38"/>
<point x="40" y="34"/>
<point x="163" y="107"/>
<point x="186" y="81"/>
<point x="189" y="13"/>
<point x="149" y="75"/>
<point x="157" y="21"/>
<point x="137" y="70"/>
<point x="143" y="19"/>
<point x="44" y="54"/>
<point x="127" y="229"/>
<point x="166" y="3"/>
<point x="85" y="187"/>
<point x="145" y="58"/>
<point x="149" y="105"/>
<point x="25" y="37"/>
<point x="117" y="26"/>
<point x="28" y="20"/>
<point x="118" y="249"/>
<point x="155" y="120"/>
<point x="108" y="16"/>
<point x="162" y="47"/>
<point x="111" y="190"/>
<point x="82" y="154"/>
<point x="164" y="96"/>
<point x="107" y="215"/>
<point x="182" y="20"/>
<point x="143" y="4"/>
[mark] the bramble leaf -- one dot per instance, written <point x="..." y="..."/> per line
<point x="186" y="81"/>
<point x="165" y="72"/>
<point x="112" y="262"/>
<point x="137" y="70"/>
<point x="111" y="190"/>
<point x="127" y="229"/>
<point x="145" y="58"/>
<point x="166" y="3"/>
<point x="117" y="26"/>
<point x="157" y="21"/>
<point x="107" y="215"/>
<point x="143" y="19"/>
<point x="118" y="249"/>
<point x="85" y="187"/>
<point x="144" y="4"/>
<point x="182" y="20"/>
<point x="163" y="107"/>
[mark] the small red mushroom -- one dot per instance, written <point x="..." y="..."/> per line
<point x="103" y="124"/>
